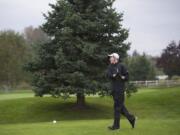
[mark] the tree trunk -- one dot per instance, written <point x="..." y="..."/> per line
<point x="80" y="100"/>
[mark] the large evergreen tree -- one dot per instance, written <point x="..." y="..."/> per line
<point x="82" y="33"/>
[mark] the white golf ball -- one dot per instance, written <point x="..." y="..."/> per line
<point x="54" y="121"/>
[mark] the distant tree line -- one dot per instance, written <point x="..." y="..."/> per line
<point x="15" y="49"/>
<point x="141" y="67"/>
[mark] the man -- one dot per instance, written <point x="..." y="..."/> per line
<point x="118" y="75"/>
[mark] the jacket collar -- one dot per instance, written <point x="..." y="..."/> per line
<point x="115" y="64"/>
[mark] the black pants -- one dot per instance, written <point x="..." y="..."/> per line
<point x="119" y="108"/>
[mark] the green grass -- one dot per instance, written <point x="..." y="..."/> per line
<point x="21" y="113"/>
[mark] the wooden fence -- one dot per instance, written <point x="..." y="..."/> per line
<point x="153" y="83"/>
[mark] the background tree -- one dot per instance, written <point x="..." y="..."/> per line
<point x="13" y="53"/>
<point x="34" y="36"/>
<point x="74" y="61"/>
<point x="140" y="67"/>
<point x="170" y="59"/>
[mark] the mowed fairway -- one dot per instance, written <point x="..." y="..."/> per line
<point x="158" y="112"/>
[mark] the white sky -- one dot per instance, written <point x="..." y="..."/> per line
<point x="152" y="23"/>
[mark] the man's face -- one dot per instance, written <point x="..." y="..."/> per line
<point x="112" y="60"/>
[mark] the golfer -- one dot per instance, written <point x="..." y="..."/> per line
<point x="118" y="75"/>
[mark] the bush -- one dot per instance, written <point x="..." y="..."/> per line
<point x="176" y="77"/>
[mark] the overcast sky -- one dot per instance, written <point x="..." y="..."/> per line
<point x="152" y="23"/>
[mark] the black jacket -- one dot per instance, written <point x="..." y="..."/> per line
<point x="118" y="83"/>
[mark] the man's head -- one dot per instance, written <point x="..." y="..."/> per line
<point x="113" y="58"/>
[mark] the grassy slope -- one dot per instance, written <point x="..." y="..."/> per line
<point x="158" y="112"/>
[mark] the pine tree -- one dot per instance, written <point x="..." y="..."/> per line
<point x="74" y="61"/>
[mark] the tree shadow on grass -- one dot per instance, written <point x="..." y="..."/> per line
<point x="32" y="110"/>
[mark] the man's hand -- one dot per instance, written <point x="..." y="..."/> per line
<point x="117" y="70"/>
<point x="114" y="75"/>
<point x="123" y="77"/>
